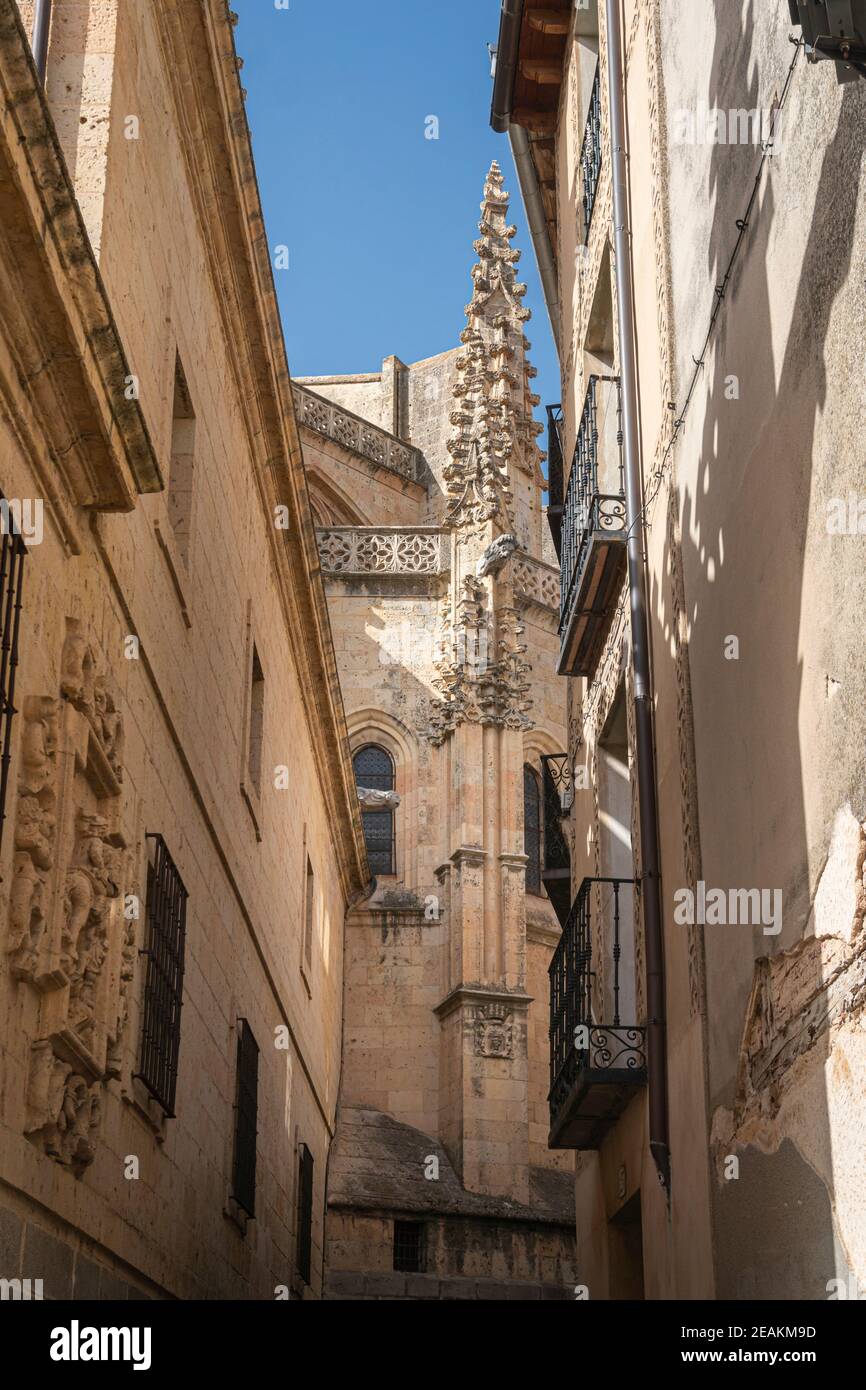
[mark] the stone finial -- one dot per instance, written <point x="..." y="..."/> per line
<point x="492" y="417"/>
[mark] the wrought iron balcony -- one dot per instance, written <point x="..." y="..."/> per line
<point x="590" y="155"/>
<point x="554" y="474"/>
<point x="595" y="1066"/>
<point x="593" y="553"/>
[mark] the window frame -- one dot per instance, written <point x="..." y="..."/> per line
<point x="304" y="1209"/>
<point x="163" y="978"/>
<point x="246" y="1119"/>
<point x="370" y="781"/>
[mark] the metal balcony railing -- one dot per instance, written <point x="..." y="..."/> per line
<point x="594" y="515"/>
<point x="595" y="1060"/>
<point x="590" y="155"/>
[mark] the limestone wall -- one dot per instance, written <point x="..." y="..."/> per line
<point x="133" y="695"/>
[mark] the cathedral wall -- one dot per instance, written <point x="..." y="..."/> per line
<point x="354" y="491"/>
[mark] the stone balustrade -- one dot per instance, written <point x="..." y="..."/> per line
<point x="385" y="550"/>
<point x="343" y="427"/>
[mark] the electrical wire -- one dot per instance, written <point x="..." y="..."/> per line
<point x="720" y="291"/>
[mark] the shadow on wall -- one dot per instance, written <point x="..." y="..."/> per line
<point x="750" y="550"/>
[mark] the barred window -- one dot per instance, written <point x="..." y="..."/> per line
<point x="532" y="829"/>
<point x="304" y="1258"/>
<point x="409" y="1247"/>
<point x="246" y="1118"/>
<point x="163" y="985"/>
<point x="309" y="913"/>
<point x="374" y="770"/>
<point x="12" y="555"/>
<point x="556" y="852"/>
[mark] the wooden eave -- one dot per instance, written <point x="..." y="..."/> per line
<point x="544" y="37"/>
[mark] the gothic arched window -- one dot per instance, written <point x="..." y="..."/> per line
<point x="374" y="771"/>
<point x="532" y="829"/>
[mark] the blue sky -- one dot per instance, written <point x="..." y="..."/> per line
<point x="378" y="220"/>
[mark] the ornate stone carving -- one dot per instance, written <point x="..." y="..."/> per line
<point x="496" y="556"/>
<point x="482" y="671"/>
<point x="372" y="799"/>
<point x="91" y="695"/>
<point x="351" y="432"/>
<point x="492" y="416"/>
<point x="348" y="550"/>
<point x="91" y="885"/>
<point x="64" y="1108"/>
<point x="494" y="1031"/>
<point x="34" y="834"/>
<point x="67" y="938"/>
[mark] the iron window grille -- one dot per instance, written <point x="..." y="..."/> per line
<point x="410" y="1247"/>
<point x="163" y="986"/>
<point x="246" y="1118"/>
<point x="305" y="1214"/>
<point x="532" y="829"/>
<point x="374" y="768"/>
<point x="590" y="155"/>
<point x="556" y="777"/>
<point x="12" y="553"/>
<point x="586" y="509"/>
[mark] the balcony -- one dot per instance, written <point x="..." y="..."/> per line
<point x="593" y="543"/>
<point x="590" y="156"/>
<point x="596" y="1067"/>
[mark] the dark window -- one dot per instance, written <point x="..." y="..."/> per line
<point x="409" y="1247"/>
<point x="374" y="771"/>
<point x="246" y="1116"/>
<point x="309" y="907"/>
<point x="180" y="478"/>
<point x="163" y="985"/>
<point x="11" y="577"/>
<point x="532" y="829"/>
<point x="305" y="1213"/>
<point x="257" y="722"/>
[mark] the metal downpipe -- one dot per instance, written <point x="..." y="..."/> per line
<point x="536" y="217"/>
<point x="39" y="42"/>
<point x="645" y="748"/>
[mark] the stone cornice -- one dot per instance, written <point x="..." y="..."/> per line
<point x="73" y="367"/>
<point x="202" y="67"/>
<point x="482" y="994"/>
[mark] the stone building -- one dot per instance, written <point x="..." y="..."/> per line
<point x="748" y="256"/>
<point x="181" y="833"/>
<point x="426" y="484"/>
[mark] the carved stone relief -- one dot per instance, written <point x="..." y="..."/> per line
<point x="494" y="1031"/>
<point x="67" y="937"/>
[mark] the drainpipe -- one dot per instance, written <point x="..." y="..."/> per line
<point x="41" y="30"/>
<point x="645" y="748"/>
<point x="537" y="219"/>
